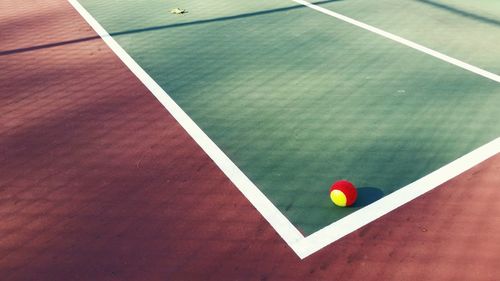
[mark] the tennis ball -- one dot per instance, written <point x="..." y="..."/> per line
<point x="343" y="193"/>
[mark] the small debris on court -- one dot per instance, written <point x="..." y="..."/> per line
<point x="178" y="11"/>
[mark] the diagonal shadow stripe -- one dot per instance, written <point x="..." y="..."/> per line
<point x="462" y="12"/>
<point x="154" y="28"/>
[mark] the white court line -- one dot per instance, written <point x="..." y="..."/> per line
<point x="278" y="221"/>
<point x="403" y="41"/>
<point x="350" y="223"/>
<point x="302" y="246"/>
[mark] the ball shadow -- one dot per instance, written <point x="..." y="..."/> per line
<point x="368" y="195"/>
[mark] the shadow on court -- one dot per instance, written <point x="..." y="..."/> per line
<point x="368" y="195"/>
<point x="461" y="12"/>
<point x="160" y="27"/>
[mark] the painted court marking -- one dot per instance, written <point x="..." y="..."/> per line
<point x="279" y="222"/>
<point x="302" y="246"/>
<point x="403" y="41"/>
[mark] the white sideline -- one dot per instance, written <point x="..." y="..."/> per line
<point x="302" y="246"/>
<point x="279" y="222"/>
<point x="403" y="41"/>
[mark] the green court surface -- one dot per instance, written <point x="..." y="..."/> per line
<point x="298" y="99"/>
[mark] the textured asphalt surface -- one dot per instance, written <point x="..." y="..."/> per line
<point x="298" y="100"/>
<point x="98" y="182"/>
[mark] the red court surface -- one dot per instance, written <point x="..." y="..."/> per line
<point x="99" y="182"/>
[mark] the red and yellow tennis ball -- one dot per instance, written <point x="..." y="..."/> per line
<point x="343" y="193"/>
